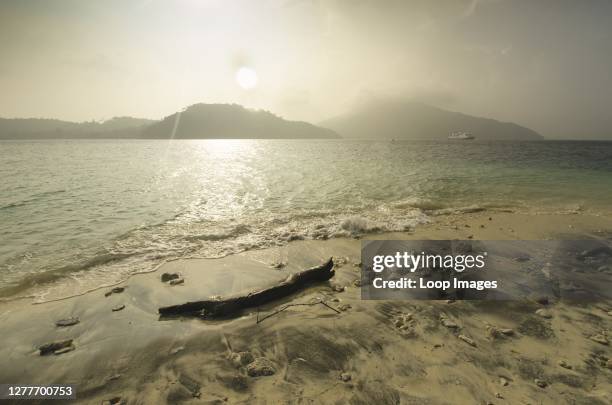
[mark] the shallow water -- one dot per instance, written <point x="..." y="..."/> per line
<point x="87" y="213"/>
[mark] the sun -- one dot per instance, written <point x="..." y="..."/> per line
<point x="246" y="78"/>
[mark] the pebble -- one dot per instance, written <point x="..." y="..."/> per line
<point x="467" y="340"/>
<point x="543" y="313"/>
<point x="498" y="395"/>
<point x="357" y="283"/>
<point x="177" y="349"/>
<point x="67" y="322"/>
<point x="116" y="290"/>
<point x="64" y="350"/>
<point x="260" y="367"/>
<point x="338" y="288"/>
<point x="242" y="358"/>
<point x="540" y="383"/>
<point x="344" y="307"/>
<point x="169" y="277"/>
<point x="345" y="377"/>
<point x="113" y="401"/>
<point x="449" y="324"/>
<point x="118" y="308"/>
<point x="601" y="339"/>
<point x="54" y="346"/>
<point x="177" y="281"/>
<point x="564" y="364"/>
<point x="507" y="331"/>
<point x="504" y="382"/>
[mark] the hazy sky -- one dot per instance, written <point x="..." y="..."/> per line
<point x="543" y="64"/>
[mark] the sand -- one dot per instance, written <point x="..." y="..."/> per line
<point x="383" y="352"/>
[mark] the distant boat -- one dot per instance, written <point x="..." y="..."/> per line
<point x="461" y="135"/>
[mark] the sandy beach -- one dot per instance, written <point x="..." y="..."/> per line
<point x="348" y="351"/>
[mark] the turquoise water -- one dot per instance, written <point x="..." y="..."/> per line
<point x="78" y="214"/>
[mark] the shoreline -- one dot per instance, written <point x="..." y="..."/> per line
<point x="132" y="354"/>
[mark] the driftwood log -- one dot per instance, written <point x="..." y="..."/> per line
<point x="216" y="308"/>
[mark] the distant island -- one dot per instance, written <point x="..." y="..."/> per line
<point x="199" y="121"/>
<point x="231" y="121"/>
<point x="377" y="120"/>
<point x="413" y="120"/>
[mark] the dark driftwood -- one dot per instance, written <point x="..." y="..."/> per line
<point x="224" y="307"/>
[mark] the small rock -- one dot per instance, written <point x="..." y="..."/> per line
<point x="118" y="307"/>
<point x="540" y="383"/>
<point x="278" y="265"/>
<point x="115" y="290"/>
<point x="344" y="307"/>
<point x="543" y="313"/>
<point x="357" y="283"/>
<point x="67" y="322"/>
<point x="564" y="364"/>
<point x="507" y="331"/>
<point x="169" y="276"/>
<point x="470" y="236"/>
<point x="177" y="281"/>
<point x="503" y="381"/>
<point x="338" y="288"/>
<point x="114" y="377"/>
<point x="490" y="219"/>
<point x="482" y="226"/>
<point x="260" y="367"/>
<point x="345" y="377"/>
<point x="54" y="346"/>
<point x="467" y="340"/>
<point x="600" y="338"/>
<point x="498" y="395"/>
<point x="449" y="324"/>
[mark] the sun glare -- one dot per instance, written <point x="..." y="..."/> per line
<point x="246" y="78"/>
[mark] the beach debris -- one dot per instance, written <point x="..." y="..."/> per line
<point x="260" y="367"/>
<point x="114" y="401"/>
<point x="503" y="381"/>
<point x="118" y="307"/>
<point x="600" y="338"/>
<point x="345" y="377"/>
<point x="212" y="308"/>
<point x="67" y="322"/>
<point x="54" y="347"/>
<point x="177" y="281"/>
<point x="240" y="359"/>
<point x="543" y="313"/>
<point x="564" y="364"/>
<point x="467" y="340"/>
<point x="115" y="290"/>
<point x="165" y="277"/>
<point x="540" y="383"/>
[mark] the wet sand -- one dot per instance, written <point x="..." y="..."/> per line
<point x="414" y="352"/>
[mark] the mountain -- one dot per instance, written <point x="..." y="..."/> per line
<point x="413" y="120"/>
<point x="228" y="121"/>
<point x="41" y="128"/>
<point x="199" y="121"/>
